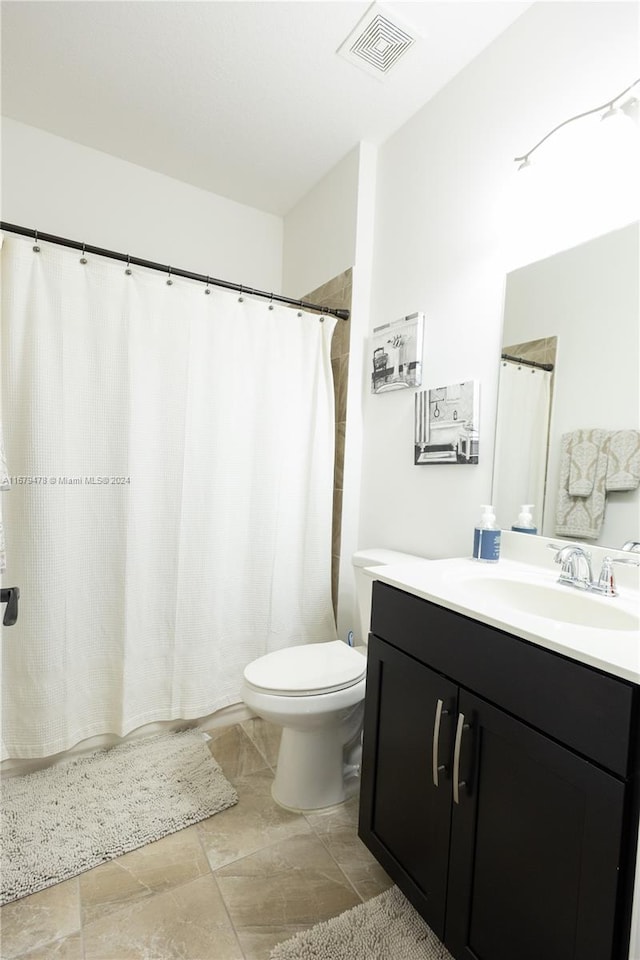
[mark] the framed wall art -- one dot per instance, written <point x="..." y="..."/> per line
<point x="397" y="354"/>
<point x="446" y="424"/>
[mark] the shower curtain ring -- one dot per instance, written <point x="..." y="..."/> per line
<point x="36" y="248"/>
<point x="128" y="270"/>
<point x="271" y="302"/>
<point x="169" y="280"/>
<point x="241" y="298"/>
<point x="300" y="310"/>
<point x="206" y="289"/>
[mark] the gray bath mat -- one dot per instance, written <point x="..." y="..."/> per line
<point x="385" y="928"/>
<point x="59" y="822"/>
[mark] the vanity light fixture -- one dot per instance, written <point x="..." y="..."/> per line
<point x="611" y="109"/>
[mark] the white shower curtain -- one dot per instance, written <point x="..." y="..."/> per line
<point x="522" y="430"/>
<point x="174" y="521"/>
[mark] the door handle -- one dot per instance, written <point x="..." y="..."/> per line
<point x="457" y="783"/>
<point x="436" y="767"/>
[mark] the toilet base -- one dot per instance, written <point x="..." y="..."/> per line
<point x="351" y="789"/>
<point x="310" y="773"/>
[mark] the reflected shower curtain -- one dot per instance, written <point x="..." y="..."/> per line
<point x="170" y="513"/>
<point x="522" y="430"/>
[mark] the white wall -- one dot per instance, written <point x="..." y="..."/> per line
<point x="441" y="245"/>
<point x="360" y="310"/>
<point x="328" y="231"/>
<point x="69" y="190"/>
<point x="320" y="231"/>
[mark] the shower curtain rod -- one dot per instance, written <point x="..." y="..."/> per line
<point x="527" y="363"/>
<point x="171" y="271"/>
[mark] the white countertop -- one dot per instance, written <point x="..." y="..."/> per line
<point x="453" y="583"/>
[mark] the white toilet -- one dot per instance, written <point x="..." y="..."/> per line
<point x="315" y="692"/>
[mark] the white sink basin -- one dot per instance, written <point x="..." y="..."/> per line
<point x="550" y="601"/>
<point x="526" y="600"/>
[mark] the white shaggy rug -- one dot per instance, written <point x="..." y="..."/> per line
<point x="385" y="928"/>
<point x="59" y="822"/>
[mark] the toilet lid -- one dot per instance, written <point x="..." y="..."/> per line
<point x="311" y="668"/>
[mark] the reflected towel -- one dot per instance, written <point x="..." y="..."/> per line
<point x="623" y="467"/>
<point x="585" y="449"/>
<point x="581" y="517"/>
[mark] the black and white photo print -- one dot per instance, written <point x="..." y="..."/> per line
<point x="397" y="354"/>
<point x="446" y="424"/>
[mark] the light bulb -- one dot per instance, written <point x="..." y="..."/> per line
<point x="631" y="109"/>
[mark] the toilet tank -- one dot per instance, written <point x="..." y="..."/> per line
<point x="375" y="557"/>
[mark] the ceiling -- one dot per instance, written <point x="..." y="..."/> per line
<point x="246" y="99"/>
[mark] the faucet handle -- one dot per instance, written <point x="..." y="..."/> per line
<point x="606" y="584"/>
<point x="631" y="546"/>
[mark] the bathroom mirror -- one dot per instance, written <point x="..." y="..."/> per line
<point x="588" y="298"/>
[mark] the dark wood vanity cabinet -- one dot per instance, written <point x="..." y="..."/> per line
<point x="499" y="786"/>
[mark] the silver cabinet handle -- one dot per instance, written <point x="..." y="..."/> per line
<point x="437" y="768"/>
<point x="456" y="758"/>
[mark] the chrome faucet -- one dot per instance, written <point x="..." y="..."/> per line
<point x="606" y="584"/>
<point x="631" y="546"/>
<point x="576" y="569"/>
<point x="575" y="563"/>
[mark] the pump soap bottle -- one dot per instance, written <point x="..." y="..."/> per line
<point x="524" y="523"/>
<point x="486" y="537"/>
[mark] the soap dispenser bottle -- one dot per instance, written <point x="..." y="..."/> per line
<point x="486" y="537"/>
<point x="524" y="523"/>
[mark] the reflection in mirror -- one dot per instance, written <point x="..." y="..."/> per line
<point x="570" y="445"/>
<point x="522" y="426"/>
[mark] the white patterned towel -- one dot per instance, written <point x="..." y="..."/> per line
<point x="580" y="517"/>
<point x="585" y="451"/>
<point x="623" y="467"/>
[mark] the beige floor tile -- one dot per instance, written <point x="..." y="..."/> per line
<point x="32" y="922"/>
<point x="185" y="923"/>
<point x="275" y="873"/>
<point x="287" y="884"/>
<point x="253" y="823"/>
<point x="70" y="948"/>
<point x="266" y="737"/>
<point x="338" y="830"/>
<point x="369" y="879"/>
<point x="166" y="863"/>
<point x="258" y="942"/>
<point x="235" y="752"/>
<point x="338" y="817"/>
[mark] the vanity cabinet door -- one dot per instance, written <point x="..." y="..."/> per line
<point x="405" y="797"/>
<point x="535" y="846"/>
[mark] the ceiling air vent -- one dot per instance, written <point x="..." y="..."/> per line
<point x="377" y="42"/>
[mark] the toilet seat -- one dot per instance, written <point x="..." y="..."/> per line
<point x="307" y="670"/>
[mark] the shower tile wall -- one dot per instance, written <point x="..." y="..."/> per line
<point x="542" y="351"/>
<point x="336" y="293"/>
